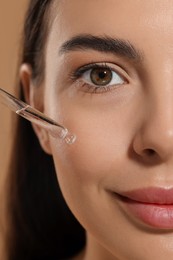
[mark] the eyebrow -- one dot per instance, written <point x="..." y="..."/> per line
<point x="104" y="44"/>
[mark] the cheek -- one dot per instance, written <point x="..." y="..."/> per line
<point x="83" y="168"/>
<point x="103" y="137"/>
<point x="94" y="154"/>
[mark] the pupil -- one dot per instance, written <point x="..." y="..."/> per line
<point x="101" y="76"/>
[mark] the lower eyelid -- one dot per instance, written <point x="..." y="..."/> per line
<point x="92" y="89"/>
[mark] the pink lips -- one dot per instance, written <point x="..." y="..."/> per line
<point x="153" y="206"/>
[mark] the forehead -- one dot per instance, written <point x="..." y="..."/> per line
<point x="141" y="22"/>
<point x="101" y="15"/>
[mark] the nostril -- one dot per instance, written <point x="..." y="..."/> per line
<point x="149" y="152"/>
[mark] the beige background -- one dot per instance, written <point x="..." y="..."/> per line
<point x="11" y="21"/>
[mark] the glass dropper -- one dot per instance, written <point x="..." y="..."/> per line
<point x="35" y="116"/>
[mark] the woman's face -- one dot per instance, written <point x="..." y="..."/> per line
<point x="109" y="80"/>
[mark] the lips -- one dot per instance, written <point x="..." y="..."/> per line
<point x="151" y="195"/>
<point x="153" y="206"/>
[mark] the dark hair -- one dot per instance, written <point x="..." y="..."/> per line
<point x="40" y="224"/>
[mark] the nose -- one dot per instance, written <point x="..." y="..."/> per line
<point x="153" y="140"/>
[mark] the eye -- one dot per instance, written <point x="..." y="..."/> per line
<point x="99" y="77"/>
<point x="102" y="77"/>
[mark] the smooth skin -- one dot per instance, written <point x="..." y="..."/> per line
<point x="124" y="132"/>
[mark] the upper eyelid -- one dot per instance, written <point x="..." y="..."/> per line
<point x="90" y="66"/>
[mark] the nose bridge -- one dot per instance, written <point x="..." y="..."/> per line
<point x="160" y="99"/>
<point x="156" y="132"/>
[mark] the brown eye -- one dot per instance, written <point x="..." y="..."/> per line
<point x="101" y="76"/>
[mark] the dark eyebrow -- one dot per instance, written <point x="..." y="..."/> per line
<point x="102" y="44"/>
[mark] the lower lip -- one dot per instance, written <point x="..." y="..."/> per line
<point x="155" y="215"/>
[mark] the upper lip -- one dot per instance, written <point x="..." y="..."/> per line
<point x="151" y="195"/>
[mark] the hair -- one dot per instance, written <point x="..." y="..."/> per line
<point x="40" y="225"/>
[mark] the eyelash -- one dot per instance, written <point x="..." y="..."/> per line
<point x="76" y="76"/>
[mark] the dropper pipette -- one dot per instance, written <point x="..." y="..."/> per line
<point x="35" y="116"/>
